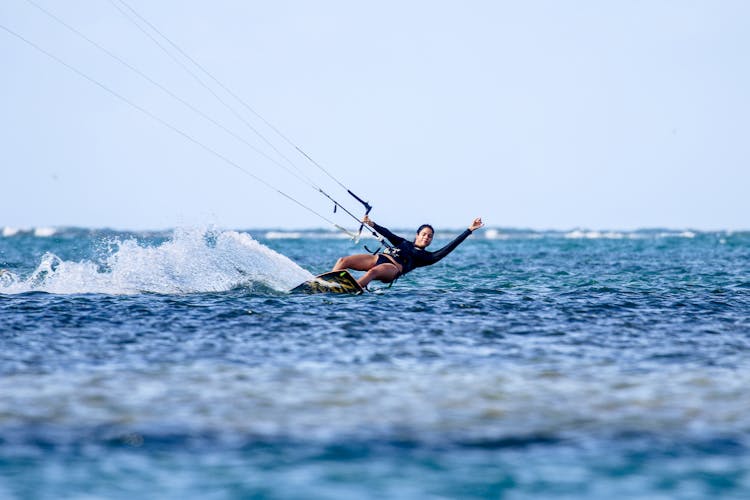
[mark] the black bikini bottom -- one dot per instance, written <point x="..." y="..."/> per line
<point x="382" y="259"/>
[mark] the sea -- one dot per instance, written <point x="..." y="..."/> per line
<point x="526" y="364"/>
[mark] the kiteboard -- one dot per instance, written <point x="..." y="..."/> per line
<point x="341" y="282"/>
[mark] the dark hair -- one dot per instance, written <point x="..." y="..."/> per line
<point x="424" y="226"/>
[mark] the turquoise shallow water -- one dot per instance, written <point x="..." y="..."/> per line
<point x="526" y="364"/>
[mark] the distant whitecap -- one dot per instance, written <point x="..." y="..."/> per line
<point x="44" y="232"/>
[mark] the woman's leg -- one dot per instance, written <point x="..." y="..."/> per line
<point x="359" y="262"/>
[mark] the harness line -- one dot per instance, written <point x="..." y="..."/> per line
<point x="167" y="91"/>
<point x="169" y="126"/>
<point x="244" y="104"/>
<point x="298" y="174"/>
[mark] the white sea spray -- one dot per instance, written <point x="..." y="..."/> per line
<point x="193" y="260"/>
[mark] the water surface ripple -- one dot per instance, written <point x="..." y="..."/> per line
<point x="524" y="365"/>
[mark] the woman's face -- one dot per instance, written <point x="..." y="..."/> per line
<point x="424" y="238"/>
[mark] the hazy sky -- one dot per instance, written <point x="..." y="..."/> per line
<point x="539" y="114"/>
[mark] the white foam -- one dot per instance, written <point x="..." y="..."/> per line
<point x="601" y="235"/>
<point x="7" y="279"/>
<point x="10" y="231"/>
<point x="44" y="232"/>
<point x="588" y="235"/>
<point x="192" y="261"/>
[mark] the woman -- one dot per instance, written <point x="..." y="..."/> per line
<point x="403" y="257"/>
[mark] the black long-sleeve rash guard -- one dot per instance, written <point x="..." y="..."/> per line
<point x="411" y="257"/>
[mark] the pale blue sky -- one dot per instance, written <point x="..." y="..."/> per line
<point x="540" y="114"/>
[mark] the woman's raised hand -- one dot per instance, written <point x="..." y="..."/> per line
<point x="476" y="224"/>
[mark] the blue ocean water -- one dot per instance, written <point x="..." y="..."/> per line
<point x="525" y="365"/>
